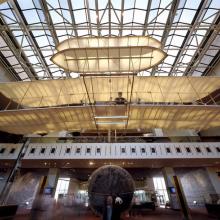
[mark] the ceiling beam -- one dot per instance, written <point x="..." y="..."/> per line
<point x="168" y="26"/>
<point x="212" y="65"/>
<point x="72" y="17"/>
<point x="196" y="21"/>
<point x="49" y="21"/>
<point x="88" y="16"/>
<point x="23" y="27"/>
<point x="35" y="27"/>
<point x="18" y="53"/>
<point x="146" y="18"/>
<point x="205" y="45"/>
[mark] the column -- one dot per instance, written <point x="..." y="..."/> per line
<point x="214" y="178"/>
<point x="168" y="174"/>
<point x="52" y="178"/>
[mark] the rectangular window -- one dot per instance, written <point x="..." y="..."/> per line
<point x="2" y="150"/>
<point x="153" y="150"/>
<point x="218" y="149"/>
<point x="168" y="150"/>
<point x="42" y="150"/>
<point x="77" y="150"/>
<point x="208" y="150"/>
<point x="123" y="150"/>
<point x="53" y="150"/>
<point x="12" y="150"/>
<point x="133" y="150"/>
<point x="32" y="150"/>
<point x="178" y="150"/>
<point x="88" y="150"/>
<point x="67" y="150"/>
<point x="98" y="150"/>
<point x="198" y="150"/>
<point x="143" y="150"/>
<point x="188" y="150"/>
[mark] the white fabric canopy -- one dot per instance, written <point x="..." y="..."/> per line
<point x="112" y="54"/>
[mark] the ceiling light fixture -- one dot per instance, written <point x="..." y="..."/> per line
<point x="110" y="122"/>
<point x="111" y="117"/>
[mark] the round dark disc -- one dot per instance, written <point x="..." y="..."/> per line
<point x="110" y="180"/>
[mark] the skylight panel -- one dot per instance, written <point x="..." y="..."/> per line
<point x="169" y="60"/>
<point x="33" y="59"/>
<point x="126" y="32"/>
<point x="93" y="17"/>
<point x="128" y="4"/>
<point x="4" y="6"/>
<point x="137" y="32"/>
<point x="177" y="40"/>
<point x="2" y="42"/>
<point x="141" y="4"/>
<point x="80" y="16"/>
<point x="164" y="3"/>
<point x="139" y="16"/>
<point x="187" y="16"/>
<point x="186" y="59"/>
<point x="197" y="73"/>
<point x="114" y="19"/>
<point x="83" y="32"/>
<point x="26" y="4"/>
<point x="78" y="4"/>
<point x="56" y="17"/>
<point x="115" y="32"/>
<point x="42" y="41"/>
<point x="53" y="3"/>
<point x="162" y="18"/>
<point x="172" y="52"/>
<point x="91" y="4"/>
<point x="23" y="75"/>
<point x="31" y="16"/>
<point x="66" y="15"/>
<point x="116" y="4"/>
<point x="215" y="4"/>
<point x="128" y="15"/>
<point x="12" y="60"/>
<point x="206" y="59"/>
<point x="210" y="15"/>
<point x="8" y="16"/>
<point x="192" y="4"/>
<point x="7" y="53"/>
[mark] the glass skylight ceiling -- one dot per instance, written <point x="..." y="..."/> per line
<point x="187" y="29"/>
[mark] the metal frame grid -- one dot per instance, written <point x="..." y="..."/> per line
<point x="188" y="30"/>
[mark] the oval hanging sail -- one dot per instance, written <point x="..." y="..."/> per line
<point x="109" y="54"/>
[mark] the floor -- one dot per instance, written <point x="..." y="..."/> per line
<point x="69" y="213"/>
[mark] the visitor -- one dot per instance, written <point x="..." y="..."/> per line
<point x="107" y="212"/>
<point x="116" y="215"/>
<point x="120" y="100"/>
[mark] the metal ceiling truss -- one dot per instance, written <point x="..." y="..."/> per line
<point x="20" y="56"/>
<point x="205" y="46"/>
<point x="212" y="64"/>
<point x="6" y="65"/>
<point x="23" y="26"/>
<point x="147" y="26"/>
<point x="197" y="20"/>
<point x="35" y="27"/>
<point x="168" y="26"/>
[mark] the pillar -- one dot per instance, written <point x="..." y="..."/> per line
<point x="168" y="174"/>
<point x="214" y="178"/>
<point x="73" y="186"/>
<point x="52" y="178"/>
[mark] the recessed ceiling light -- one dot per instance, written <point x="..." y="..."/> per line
<point x="91" y="163"/>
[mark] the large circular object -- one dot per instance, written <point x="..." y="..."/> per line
<point x="110" y="180"/>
